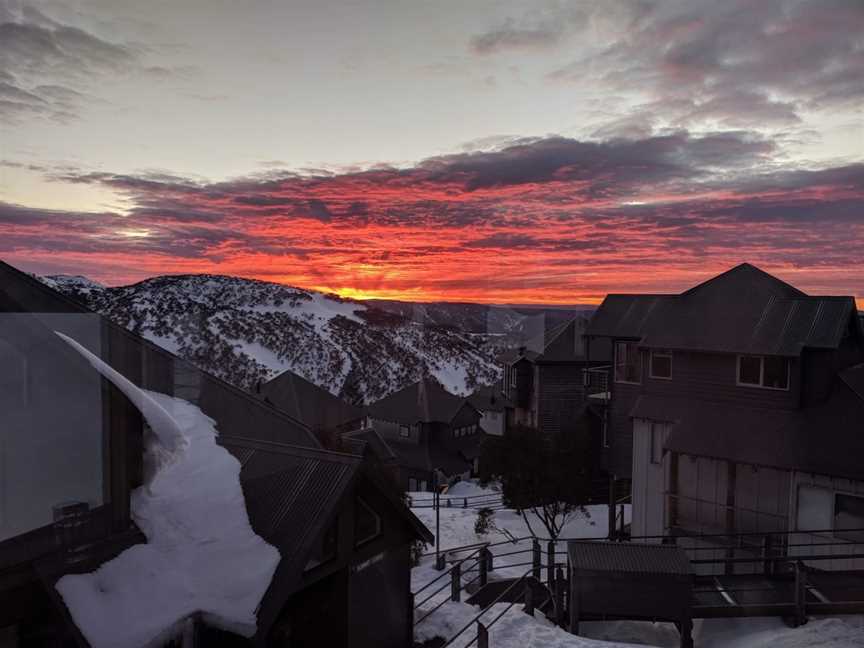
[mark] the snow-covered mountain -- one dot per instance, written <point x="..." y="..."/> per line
<point x="245" y="331"/>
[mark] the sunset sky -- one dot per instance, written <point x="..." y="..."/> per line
<point x="507" y="152"/>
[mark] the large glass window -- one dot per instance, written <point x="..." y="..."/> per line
<point x="814" y="509"/>
<point x="763" y="371"/>
<point x="849" y="517"/>
<point x="51" y="419"/>
<point x="628" y="363"/>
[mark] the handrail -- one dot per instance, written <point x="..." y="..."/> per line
<point x="486" y="609"/>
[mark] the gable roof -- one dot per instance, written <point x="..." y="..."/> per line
<point x="310" y="404"/>
<point x="743" y="310"/>
<point x="369" y="437"/>
<point x="236" y="411"/>
<point x="292" y="494"/>
<point x="490" y="398"/>
<point x="425" y="401"/>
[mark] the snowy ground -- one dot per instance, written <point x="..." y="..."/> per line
<point x="517" y="630"/>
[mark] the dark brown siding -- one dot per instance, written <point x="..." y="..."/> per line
<point x="560" y="395"/>
<point x="713" y="377"/>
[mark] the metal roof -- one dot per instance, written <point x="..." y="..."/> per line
<point x="744" y="310"/>
<point x="490" y="398"/>
<point x="425" y="401"/>
<point x="310" y="404"/>
<point x="628" y="557"/>
<point x="369" y="436"/>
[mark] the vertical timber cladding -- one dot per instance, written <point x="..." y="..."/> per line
<point x="379" y="605"/>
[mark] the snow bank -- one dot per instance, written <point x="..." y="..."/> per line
<point x="201" y="553"/>
<point x="514" y="629"/>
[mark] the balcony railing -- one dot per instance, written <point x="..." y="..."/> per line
<point x="595" y="381"/>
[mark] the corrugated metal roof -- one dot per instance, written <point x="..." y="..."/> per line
<point x="425" y="401"/>
<point x="370" y="436"/>
<point x="314" y="406"/>
<point x="628" y="557"/>
<point x="744" y="310"/>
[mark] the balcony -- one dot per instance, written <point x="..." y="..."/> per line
<point x="595" y="382"/>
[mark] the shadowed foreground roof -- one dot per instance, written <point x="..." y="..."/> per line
<point x="743" y="310"/>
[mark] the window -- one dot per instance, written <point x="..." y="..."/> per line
<point x="328" y="548"/>
<point x="814" y="509"/>
<point x="849" y="517"/>
<point x="656" y="443"/>
<point x="628" y="363"/>
<point x="661" y="364"/>
<point x="404" y="431"/>
<point x="367" y="523"/>
<point x="512" y="371"/>
<point x="770" y="372"/>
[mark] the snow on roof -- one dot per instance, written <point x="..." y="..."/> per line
<point x="201" y="556"/>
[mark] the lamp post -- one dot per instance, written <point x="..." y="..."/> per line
<point x="436" y="500"/>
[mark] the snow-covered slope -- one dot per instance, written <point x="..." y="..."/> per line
<point x="245" y="331"/>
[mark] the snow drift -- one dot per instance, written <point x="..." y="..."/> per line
<point x="201" y="556"/>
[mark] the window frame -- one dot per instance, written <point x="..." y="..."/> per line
<point x="625" y="343"/>
<point x="839" y="533"/>
<point x="404" y="431"/>
<point x="834" y="532"/>
<point x="662" y="353"/>
<point x="761" y="384"/>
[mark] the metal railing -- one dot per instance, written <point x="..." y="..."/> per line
<point x="771" y="554"/>
<point x="595" y="381"/>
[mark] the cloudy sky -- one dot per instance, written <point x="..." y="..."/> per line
<point x="518" y="152"/>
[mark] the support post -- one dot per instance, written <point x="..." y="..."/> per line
<point x="800" y="594"/>
<point x="490" y="561"/>
<point x="536" y="558"/>
<point x="529" y="599"/>
<point x="483" y="565"/>
<point x="550" y="562"/>
<point x="612" y="507"/>
<point x="482" y="636"/>
<point x="686" y="630"/>
<point x="455" y="582"/>
<point x="573" y="603"/>
<point x="766" y="555"/>
<point x="559" y="597"/>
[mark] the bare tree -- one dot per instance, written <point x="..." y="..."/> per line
<point x="547" y="475"/>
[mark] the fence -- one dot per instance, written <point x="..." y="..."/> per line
<point x="742" y="574"/>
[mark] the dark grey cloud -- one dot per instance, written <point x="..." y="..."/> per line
<point x="740" y="63"/>
<point x="612" y="166"/>
<point x="47" y="67"/>
<point x="509" y="36"/>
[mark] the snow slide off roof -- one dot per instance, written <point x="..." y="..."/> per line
<point x="202" y="554"/>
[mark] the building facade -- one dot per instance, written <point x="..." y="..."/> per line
<point x="736" y="407"/>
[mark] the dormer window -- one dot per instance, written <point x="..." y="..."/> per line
<point x="661" y="364"/>
<point x="769" y="372"/>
